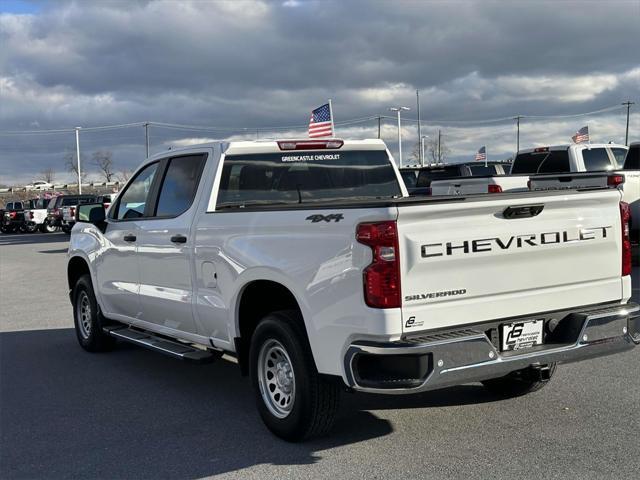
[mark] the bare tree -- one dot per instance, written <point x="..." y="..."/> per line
<point x="71" y="165"/>
<point x="124" y="175"/>
<point x="436" y="153"/>
<point x="104" y="161"/>
<point x="48" y="175"/>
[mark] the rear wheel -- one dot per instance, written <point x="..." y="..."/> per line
<point x="48" y="228"/>
<point x="66" y="229"/>
<point x="519" y="382"/>
<point x="88" y="319"/>
<point x="30" y="227"/>
<point x="293" y="399"/>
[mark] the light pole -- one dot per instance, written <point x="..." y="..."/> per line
<point x="399" y="110"/>
<point x="422" y="137"/>
<point x="78" y="156"/>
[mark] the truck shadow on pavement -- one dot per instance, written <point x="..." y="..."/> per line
<point x="132" y="413"/>
<point x="31" y="238"/>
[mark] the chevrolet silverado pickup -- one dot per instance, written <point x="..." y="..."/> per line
<point x="308" y="262"/>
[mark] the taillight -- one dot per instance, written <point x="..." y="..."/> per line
<point x="30" y="215"/>
<point x="493" y="188"/>
<point x="615" y="180"/>
<point x="529" y="184"/>
<point x="72" y="212"/>
<point x="310" y="144"/>
<point x="625" y="219"/>
<point x="13" y="214"/>
<point x="382" y="276"/>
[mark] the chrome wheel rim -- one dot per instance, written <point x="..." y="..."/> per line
<point x="276" y="378"/>
<point x="83" y="312"/>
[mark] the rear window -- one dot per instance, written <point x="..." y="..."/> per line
<point x="425" y="177"/>
<point x="409" y="177"/>
<point x="554" y="161"/>
<point x="480" y="170"/>
<point x="596" y="160"/>
<point x="305" y="177"/>
<point x="633" y="158"/>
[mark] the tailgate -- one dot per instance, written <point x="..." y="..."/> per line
<point x="466" y="262"/>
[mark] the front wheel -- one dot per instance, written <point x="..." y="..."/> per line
<point x="30" y="227"/>
<point x="87" y="318"/>
<point x="519" y="383"/>
<point x="293" y="399"/>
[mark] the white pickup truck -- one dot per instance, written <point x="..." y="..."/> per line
<point x="308" y="263"/>
<point x="35" y="218"/>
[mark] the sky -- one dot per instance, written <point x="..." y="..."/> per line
<point x="238" y="66"/>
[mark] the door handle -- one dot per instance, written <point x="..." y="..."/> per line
<point x="129" y="238"/>
<point x="179" y="239"/>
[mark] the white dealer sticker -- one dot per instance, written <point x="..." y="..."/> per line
<point x="311" y="158"/>
<point x="522" y="335"/>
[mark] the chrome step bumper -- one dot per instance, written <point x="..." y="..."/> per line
<point x="456" y="357"/>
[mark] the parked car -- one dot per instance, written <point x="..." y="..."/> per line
<point x="40" y="185"/>
<point x="418" y="178"/>
<point x="36" y="215"/>
<point x="55" y="209"/>
<point x="573" y="158"/>
<point x="69" y="211"/>
<point x="12" y="217"/>
<point x="307" y="261"/>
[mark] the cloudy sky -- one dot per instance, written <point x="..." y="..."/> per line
<point x="260" y="64"/>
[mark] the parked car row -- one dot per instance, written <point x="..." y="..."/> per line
<point x="46" y="215"/>
<point x="565" y="163"/>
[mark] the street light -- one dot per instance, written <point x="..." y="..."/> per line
<point x="399" y="110"/>
<point x="422" y="148"/>
<point x="78" y="155"/>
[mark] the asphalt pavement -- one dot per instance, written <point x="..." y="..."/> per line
<point x="133" y="414"/>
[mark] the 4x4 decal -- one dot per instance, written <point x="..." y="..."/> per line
<point x="336" y="217"/>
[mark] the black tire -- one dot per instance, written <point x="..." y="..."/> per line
<point x="315" y="399"/>
<point x="66" y="229"/>
<point x="87" y="318"/>
<point x="46" y="227"/>
<point x="6" y="229"/>
<point x="30" y="228"/>
<point x="517" y="383"/>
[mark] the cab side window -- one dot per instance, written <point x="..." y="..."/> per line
<point x="179" y="185"/>
<point x="134" y="199"/>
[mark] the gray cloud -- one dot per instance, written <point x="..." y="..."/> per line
<point x="242" y="63"/>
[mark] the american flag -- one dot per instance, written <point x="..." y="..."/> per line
<point x="320" y="124"/>
<point x="482" y="154"/>
<point x="581" y="135"/>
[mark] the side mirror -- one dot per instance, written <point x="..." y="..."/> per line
<point x="92" y="213"/>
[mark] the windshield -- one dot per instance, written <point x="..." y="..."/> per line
<point x="303" y="177"/>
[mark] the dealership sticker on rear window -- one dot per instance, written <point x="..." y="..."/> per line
<point x="311" y="158"/>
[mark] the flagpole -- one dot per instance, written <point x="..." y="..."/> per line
<point x="485" y="157"/>
<point x="333" y="129"/>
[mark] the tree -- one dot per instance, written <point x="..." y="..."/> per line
<point x="104" y="161"/>
<point x="124" y="175"/>
<point x="48" y="175"/>
<point x="71" y="165"/>
<point x="431" y="152"/>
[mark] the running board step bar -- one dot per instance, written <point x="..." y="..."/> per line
<point x="172" y="348"/>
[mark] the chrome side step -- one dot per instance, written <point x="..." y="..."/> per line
<point x="172" y="348"/>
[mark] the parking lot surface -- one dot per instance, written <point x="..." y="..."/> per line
<point x="133" y="413"/>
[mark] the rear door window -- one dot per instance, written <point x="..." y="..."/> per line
<point x="179" y="185"/>
<point x="596" y="160"/>
<point x="306" y="177"/>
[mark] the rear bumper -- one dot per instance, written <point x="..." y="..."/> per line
<point x="449" y="358"/>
